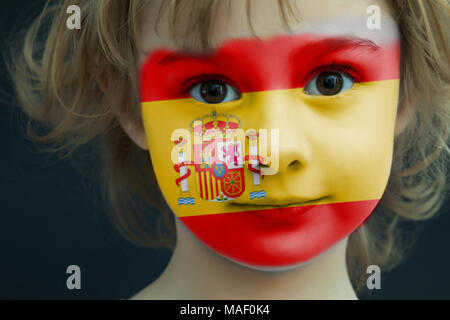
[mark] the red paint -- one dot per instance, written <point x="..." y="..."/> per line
<point x="267" y="241"/>
<point x="251" y="65"/>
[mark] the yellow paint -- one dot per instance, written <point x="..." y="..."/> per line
<point x="335" y="147"/>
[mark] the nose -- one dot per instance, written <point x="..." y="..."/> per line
<point x="282" y="110"/>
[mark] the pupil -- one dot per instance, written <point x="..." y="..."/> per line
<point x="330" y="83"/>
<point x="213" y="91"/>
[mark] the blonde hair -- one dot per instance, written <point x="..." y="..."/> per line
<point x="58" y="87"/>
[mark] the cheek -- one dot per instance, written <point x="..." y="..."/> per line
<point x="161" y="120"/>
<point x="355" y="145"/>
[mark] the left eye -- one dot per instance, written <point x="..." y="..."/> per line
<point x="329" y="83"/>
<point x="214" y="91"/>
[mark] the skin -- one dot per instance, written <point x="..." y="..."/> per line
<point x="196" y="272"/>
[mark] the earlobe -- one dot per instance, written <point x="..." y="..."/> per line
<point x="134" y="130"/>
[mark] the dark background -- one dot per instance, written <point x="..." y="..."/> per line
<point x="49" y="221"/>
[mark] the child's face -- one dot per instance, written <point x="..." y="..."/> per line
<point x="330" y="89"/>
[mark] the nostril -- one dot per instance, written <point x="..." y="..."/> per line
<point x="295" y="164"/>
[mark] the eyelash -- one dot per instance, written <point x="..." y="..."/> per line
<point x="334" y="66"/>
<point x="191" y="82"/>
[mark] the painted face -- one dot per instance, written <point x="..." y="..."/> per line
<point x="327" y="97"/>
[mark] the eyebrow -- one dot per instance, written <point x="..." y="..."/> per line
<point x="179" y="56"/>
<point x="326" y="44"/>
<point x="348" y="42"/>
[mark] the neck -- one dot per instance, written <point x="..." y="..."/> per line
<point x="196" y="272"/>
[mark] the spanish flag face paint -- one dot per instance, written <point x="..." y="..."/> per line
<point x="271" y="151"/>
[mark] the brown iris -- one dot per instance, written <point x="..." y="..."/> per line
<point x="329" y="83"/>
<point x="213" y="91"/>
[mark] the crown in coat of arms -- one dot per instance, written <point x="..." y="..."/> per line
<point x="215" y="122"/>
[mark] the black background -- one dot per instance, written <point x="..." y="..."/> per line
<point x="48" y="221"/>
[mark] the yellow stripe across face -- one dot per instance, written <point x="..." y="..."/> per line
<point x="365" y="115"/>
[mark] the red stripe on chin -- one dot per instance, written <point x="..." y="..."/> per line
<point x="254" y="239"/>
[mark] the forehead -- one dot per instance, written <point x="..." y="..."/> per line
<point x="230" y="21"/>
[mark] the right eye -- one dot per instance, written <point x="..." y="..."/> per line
<point x="329" y="83"/>
<point x="213" y="92"/>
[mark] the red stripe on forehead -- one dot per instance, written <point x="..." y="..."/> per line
<point x="251" y="65"/>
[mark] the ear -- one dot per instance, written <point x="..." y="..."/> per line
<point x="134" y="129"/>
<point x="402" y="119"/>
<point x="132" y="126"/>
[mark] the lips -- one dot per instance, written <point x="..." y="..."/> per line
<point x="287" y="213"/>
<point x="264" y="238"/>
<point x="279" y="203"/>
<point x="282" y="211"/>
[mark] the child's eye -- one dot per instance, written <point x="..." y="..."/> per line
<point x="329" y="83"/>
<point x="214" y="91"/>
